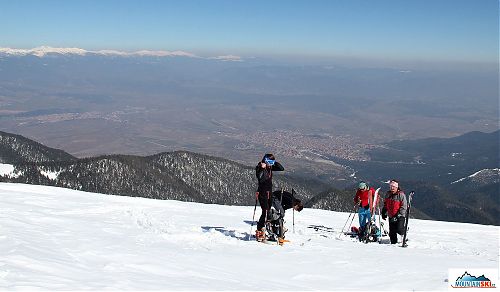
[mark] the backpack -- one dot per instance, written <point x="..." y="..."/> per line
<point x="273" y="214"/>
<point x="274" y="225"/>
<point x="373" y="233"/>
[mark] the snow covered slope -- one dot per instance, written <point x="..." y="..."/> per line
<point x="60" y="239"/>
<point x="482" y="177"/>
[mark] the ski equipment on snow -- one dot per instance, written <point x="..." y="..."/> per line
<point x="407" y="218"/>
<point x="253" y="217"/>
<point x="375" y="201"/>
<point x="293" y="213"/>
<point x="353" y="213"/>
<point x="274" y="229"/>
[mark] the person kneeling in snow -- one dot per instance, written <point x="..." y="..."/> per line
<point x="281" y="201"/>
<point x="284" y="201"/>
<point x="395" y="206"/>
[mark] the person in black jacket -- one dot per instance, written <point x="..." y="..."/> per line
<point x="285" y="200"/>
<point x="264" y="172"/>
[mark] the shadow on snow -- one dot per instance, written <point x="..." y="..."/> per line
<point x="231" y="233"/>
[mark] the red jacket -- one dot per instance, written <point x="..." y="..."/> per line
<point x="362" y="196"/>
<point x="395" y="204"/>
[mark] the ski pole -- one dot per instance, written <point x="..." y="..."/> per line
<point x="281" y="217"/>
<point x="346" y="221"/>
<point x="268" y="205"/>
<point x="280" y="204"/>
<point x="253" y="217"/>
<point x="353" y="216"/>
<point x="352" y="213"/>
<point x="293" y="212"/>
<point x="342" y="232"/>
<point x="352" y="220"/>
<point x="267" y="210"/>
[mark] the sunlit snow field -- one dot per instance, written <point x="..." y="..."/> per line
<point x="59" y="239"/>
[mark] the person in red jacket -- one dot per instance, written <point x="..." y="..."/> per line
<point x="395" y="207"/>
<point x="364" y="197"/>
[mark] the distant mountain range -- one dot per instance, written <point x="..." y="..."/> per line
<point x="189" y="176"/>
<point x="47" y="51"/>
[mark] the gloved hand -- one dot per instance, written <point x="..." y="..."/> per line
<point x="384" y="213"/>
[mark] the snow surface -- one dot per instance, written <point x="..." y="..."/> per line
<point x="53" y="175"/>
<point x="6" y="169"/>
<point x="486" y="171"/>
<point x="60" y="239"/>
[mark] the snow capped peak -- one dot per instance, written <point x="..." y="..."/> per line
<point x="111" y="52"/>
<point x="228" y="58"/>
<point x="164" y="53"/>
<point x="42" y="51"/>
<point x="46" y="50"/>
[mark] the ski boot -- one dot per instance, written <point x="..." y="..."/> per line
<point x="260" y="235"/>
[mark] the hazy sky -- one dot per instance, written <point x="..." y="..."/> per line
<point x="427" y="30"/>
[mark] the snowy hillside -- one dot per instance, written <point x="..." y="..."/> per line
<point x="482" y="177"/>
<point x="60" y="239"/>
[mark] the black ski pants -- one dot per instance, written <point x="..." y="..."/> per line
<point x="265" y="198"/>
<point x="396" y="228"/>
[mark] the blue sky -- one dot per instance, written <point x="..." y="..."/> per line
<point x="427" y="30"/>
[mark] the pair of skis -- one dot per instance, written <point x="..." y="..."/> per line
<point x="410" y="197"/>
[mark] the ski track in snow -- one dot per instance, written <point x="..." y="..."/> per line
<point x="60" y="239"/>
